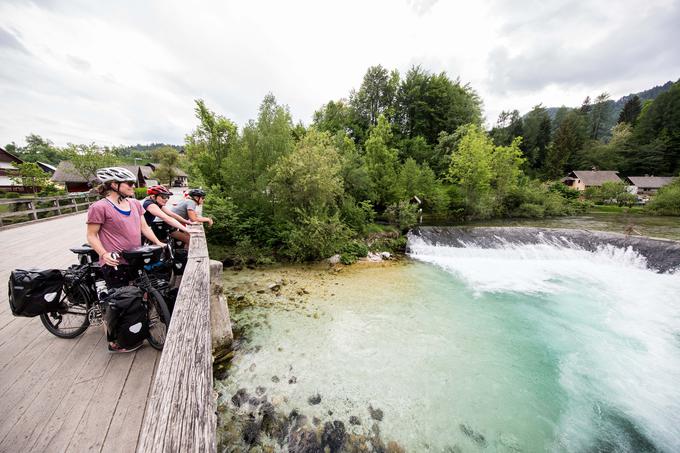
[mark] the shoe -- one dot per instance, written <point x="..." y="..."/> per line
<point x="115" y="349"/>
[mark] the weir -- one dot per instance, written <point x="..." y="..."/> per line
<point x="662" y="255"/>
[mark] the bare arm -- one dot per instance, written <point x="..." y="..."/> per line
<point x="197" y="218"/>
<point x="148" y="232"/>
<point x="158" y="212"/>
<point x="96" y="244"/>
<point x="175" y="216"/>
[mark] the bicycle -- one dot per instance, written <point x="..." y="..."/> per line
<point x="84" y="306"/>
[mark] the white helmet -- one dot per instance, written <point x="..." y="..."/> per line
<point x="117" y="174"/>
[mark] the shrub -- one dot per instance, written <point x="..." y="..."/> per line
<point x="355" y="248"/>
<point x="140" y="193"/>
<point x="347" y="259"/>
<point x="357" y="216"/>
<point x="667" y="201"/>
<point x="225" y="217"/>
<point x="315" y="237"/>
<point x="529" y="210"/>
<point x="13" y="195"/>
<point x="403" y="214"/>
<point x="51" y="190"/>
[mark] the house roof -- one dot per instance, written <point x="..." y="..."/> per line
<point x="596" y="177"/>
<point x="66" y="172"/>
<point x="154" y="165"/>
<point x="10" y="155"/>
<point x="651" y="182"/>
<point x="47" y="167"/>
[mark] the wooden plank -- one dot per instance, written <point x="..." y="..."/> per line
<point x="58" y="431"/>
<point x="180" y="415"/>
<point x="27" y="428"/>
<point x="17" y="397"/>
<point x="95" y="421"/>
<point x="12" y="371"/>
<point x="127" y="420"/>
<point x="13" y="345"/>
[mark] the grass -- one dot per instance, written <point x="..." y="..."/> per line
<point x="616" y="209"/>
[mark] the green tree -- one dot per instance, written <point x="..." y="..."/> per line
<point x="208" y="146"/>
<point x="428" y="104"/>
<point x="168" y="159"/>
<point x="508" y="126"/>
<point x="308" y="179"/>
<point x="87" y="159"/>
<point x="381" y="164"/>
<point x="39" y="149"/>
<point x="568" y="140"/>
<point x="599" y="115"/>
<point x="506" y="165"/>
<point x="536" y="128"/>
<point x="631" y="110"/>
<point x="472" y="169"/>
<point x="376" y="96"/>
<point x="29" y="174"/>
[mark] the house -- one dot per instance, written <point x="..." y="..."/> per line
<point x="47" y="168"/>
<point x="649" y="185"/>
<point x="7" y="168"/>
<point x="582" y="179"/>
<point x="73" y="181"/>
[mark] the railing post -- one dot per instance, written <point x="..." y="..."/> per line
<point x="56" y="204"/>
<point x="31" y="205"/>
<point x="220" y="324"/>
<point x="75" y="203"/>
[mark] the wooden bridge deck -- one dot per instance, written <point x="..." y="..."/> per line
<point x="56" y="394"/>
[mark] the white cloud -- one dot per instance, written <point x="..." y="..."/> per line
<point x="128" y="72"/>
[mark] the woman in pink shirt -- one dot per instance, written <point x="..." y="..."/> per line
<point x="116" y="223"/>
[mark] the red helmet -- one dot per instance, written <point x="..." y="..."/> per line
<point x="158" y="190"/>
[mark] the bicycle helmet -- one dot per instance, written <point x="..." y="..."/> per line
<point x="158" y="190"/>
<point x="197" y="193"/>
<point x="115" y="174"/>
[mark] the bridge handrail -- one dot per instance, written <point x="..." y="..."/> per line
<point x="32" y="203"/>
<point x="180" y="413"/>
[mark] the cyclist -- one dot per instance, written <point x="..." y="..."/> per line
<point x="156" y="206"/>
<point x="114" y="224"/>
<point x="187" y="210"/>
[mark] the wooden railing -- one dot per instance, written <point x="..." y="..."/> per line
<point x="180" y="414"/>
<point x="27" y="209"/>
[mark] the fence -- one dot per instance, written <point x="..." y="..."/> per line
<point x="180" y="414"/>
<point x="17" y="210"/>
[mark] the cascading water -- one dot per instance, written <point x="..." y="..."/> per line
<point x="540" y="345"/>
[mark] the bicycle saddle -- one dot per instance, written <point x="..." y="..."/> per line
<point x="85" y="250"/>
<point x="143" y="255"/>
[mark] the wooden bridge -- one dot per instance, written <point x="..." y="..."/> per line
<point x="61" y="395"/>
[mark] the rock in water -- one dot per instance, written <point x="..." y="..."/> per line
<point x="476" y="437"/>
<point x="335" y="259"/>
<point x="314" y="399"/>
<point x="333" y="435"/>
<point x="376" y="414"/>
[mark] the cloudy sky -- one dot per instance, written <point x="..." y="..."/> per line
<point x="127" y="71"/>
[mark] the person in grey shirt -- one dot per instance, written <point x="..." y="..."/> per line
<point x="187" y="210"/>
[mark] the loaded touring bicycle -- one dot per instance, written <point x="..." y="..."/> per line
<point x="69" y="301"/>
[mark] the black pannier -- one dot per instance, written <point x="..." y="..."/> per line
<point x="126" y="316"/>
<point x="34" y="292"/>
<point x="180" y="261"/>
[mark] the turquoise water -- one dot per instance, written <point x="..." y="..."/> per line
<point x="530" y="348"/>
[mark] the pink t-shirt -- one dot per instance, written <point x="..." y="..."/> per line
<point x="118" y="231"/>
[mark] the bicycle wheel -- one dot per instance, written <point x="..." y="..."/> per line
<point x="72" y="320"/>
<point x="159" y="320"/>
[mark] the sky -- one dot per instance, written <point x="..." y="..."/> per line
<point x="128" y="71"/>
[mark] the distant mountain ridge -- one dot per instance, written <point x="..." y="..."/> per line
<point x="617" y="106"/>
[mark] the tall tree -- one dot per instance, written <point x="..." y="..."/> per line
<point x="472" y="169"/>
<point x="536" y="136"/>
<point x="376" y="95"/>
<point x="568" y="140"/>
<point x="381" y="164"/>
<point x="599" y="115"/>
<point x="29" y="174"/>
<point x="168" y="160"/>
<point x="86" y="159"/>
<point x="631" y="110"/>
<point x="209" y="144"/>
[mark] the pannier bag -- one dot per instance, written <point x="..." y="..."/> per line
<point x="180" y="262"/>
<point x="34" y="292"/>
<point x="126" y="316"/>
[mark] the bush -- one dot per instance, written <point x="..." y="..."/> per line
<point x="315" y="237"/>
<point x="357" y="216"/>
<point x="529" y="210"/>
<point x="3" y="194"/>
<point x="403" y="214"/>
<point x="355" y="248"/>
<point x="393" y="245"/>
<point x="667" y="201"/>
<point x="347" y="259"/>
<point x="140" y="193"/>
<point x="13" y="195"/>
<point x="51" y="190"/>
<point x="565" y="191"/>
<point x="225" y="217"/>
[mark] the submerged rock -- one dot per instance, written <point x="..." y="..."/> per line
<point x="333" y="435"/>
<point x="476" y="437"/>
<point x="240" y="397"/>
<point x="275" y="379"/>
<point x="376" y="414"/>
<point x="354" y="420"/>
<point x="335" y="259"/>
<point x="292" y="380"/>
<point x="314" y="399"/>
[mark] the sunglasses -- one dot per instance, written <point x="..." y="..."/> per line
<point x="129" y="183"/>
<point x="165" y="197"/>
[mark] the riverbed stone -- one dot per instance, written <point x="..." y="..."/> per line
<point x="335" y="259"/>
<point x="354" y="420"/>
<point x="476" y="437"/>
<point x="314" y="400"/>
<point x="240" y="397"/>
<point x="333" y="435"/>
<point x="376" y="414"/>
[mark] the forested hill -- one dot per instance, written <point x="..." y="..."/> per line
<point x="615" y="107"/>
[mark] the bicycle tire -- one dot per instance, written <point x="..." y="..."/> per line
<point x="76" y="311"/>
<point x="159" y="320"/>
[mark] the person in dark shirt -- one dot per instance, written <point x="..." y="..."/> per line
<point x="156" y="207"/>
